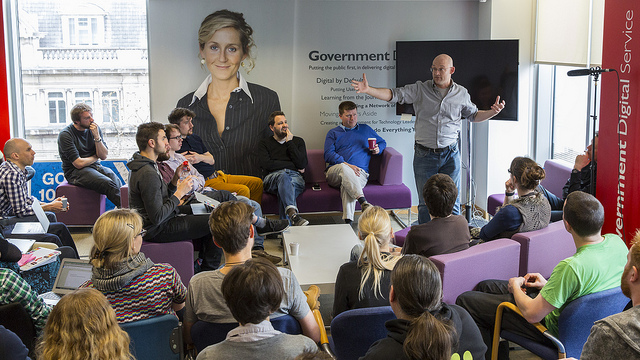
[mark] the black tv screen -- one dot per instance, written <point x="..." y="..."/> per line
<point x="487" y="68"/>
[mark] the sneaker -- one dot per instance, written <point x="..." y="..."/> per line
<point x="263" y="254"/>
<point x="273" y="227"/>
<point x="297" y="220"/>
<point x="365" y="205"/>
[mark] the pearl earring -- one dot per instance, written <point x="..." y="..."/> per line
<point x="202" y="61"/>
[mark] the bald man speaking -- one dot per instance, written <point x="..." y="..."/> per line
<point x="440" y="105"/>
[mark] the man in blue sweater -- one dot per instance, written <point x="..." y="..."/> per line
<point x="346" y="150"/>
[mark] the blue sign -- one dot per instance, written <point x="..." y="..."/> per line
<point x="49" y="175"/>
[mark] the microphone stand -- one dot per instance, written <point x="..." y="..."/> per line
<point x="594" y="116"/>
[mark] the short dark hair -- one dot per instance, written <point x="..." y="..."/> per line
<point x="77" y="110"/>
<point x="345" y="106"/>
<point x="230" y="225"/>
<point x="272" y="117"/>
<point x="147" y="131"/>
<point x="253" y="290"/>
<point x="172" y="126"/>
<point x="584" y="213"/>
<point x="440" y="194"/>
<point x="178" y="113"/>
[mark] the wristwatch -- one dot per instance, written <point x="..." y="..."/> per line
<point x="98" y="139"/>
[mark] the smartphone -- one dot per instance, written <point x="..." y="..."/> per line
<point x="316" y="187"/>
<point x="64" y="204"/>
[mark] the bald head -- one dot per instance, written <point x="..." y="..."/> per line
<point x="441" y="70"/>
<point x="19" y="152"/>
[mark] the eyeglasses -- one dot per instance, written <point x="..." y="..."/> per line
<point x="441" y="70"/>
<point x="178" y="138"/>
<point x="142" y="233"/>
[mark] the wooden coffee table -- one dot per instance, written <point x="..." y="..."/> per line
<point x="323" y="249"/>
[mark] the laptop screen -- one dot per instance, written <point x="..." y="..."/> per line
<point x="72" y="274"/>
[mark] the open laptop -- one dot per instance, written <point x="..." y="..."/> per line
<point x="209" y="204"/>
<point x="40" y="227"/>
<point x="72" y="274"/>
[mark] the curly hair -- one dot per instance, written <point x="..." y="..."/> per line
<point x="83" y="326"/>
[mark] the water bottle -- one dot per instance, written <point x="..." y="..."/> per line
<point x="185" y="172"/>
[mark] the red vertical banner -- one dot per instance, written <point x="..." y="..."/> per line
<point x="618" y="182"/>
<point x="5" y="130"/>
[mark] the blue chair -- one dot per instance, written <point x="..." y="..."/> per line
<point x="353" y="331"/>
<point x="205" y="333"/>
<point x="574" y="325"/>
<point x="157" y="338"/>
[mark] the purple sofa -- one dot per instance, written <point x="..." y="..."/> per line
<point x="463" y="270"/>
<point x="85" y="205"/>
<point x="178" y="254"/>
<point x="385" y="187"/>
<point x="557" y="174"/>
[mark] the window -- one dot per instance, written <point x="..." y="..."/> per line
<point x="84" y="31"/>
<point x="97" y="49"/>
<point x="83" y="97"/>
<point x="110" y="107"/>
<point x="57" y="108"/>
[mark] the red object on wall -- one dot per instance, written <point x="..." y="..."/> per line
<point x="5" y="130"/>
<point x="619" y="165"/>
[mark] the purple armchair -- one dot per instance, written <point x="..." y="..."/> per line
<point x="85" y="205"/>
<point x="463" y="270"/>
<point x="542" y="250"/>
<point x="178" y="254"/>
<point x="385" y="187"/>
<point x="557" y="174"/>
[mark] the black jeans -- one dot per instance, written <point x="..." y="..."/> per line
<point x="98" y="178"/>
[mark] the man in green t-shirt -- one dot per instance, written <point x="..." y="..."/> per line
<point x="597" y="265"/>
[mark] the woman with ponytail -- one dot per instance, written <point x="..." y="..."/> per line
<point x="365" y="282"/>
<point x="425" y="328"/>
<point x="135" y="287"/>
<point x="527" y="212"/>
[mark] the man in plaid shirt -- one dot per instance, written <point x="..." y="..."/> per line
<point x="16" y="201"/>
<point x="15" y="289"/>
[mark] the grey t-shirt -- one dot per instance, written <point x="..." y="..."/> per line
<point x="281" y="346"/>
<point x="205" y="301"/>
<point x="74" y="144"/>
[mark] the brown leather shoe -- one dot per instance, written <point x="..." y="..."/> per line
<point x="263" y="254"/>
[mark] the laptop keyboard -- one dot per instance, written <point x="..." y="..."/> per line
<point x="50" y="296"/>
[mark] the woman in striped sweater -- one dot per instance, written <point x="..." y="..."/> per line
<point x="135" y="287"/>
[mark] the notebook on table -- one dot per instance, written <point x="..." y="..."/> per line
<point x="72" y="274"/>
<point x="40" y="227"/>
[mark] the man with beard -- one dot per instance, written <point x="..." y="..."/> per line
<point x="81" y="147"/>
<point x="596" y="266"/>
<point x="165" y="218"/>
<point x="618" y="336"/>
<point x="283" y="158"/>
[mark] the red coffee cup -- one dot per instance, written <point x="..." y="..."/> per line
<point x="372" y="143"/>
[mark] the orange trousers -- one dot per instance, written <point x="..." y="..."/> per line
<point x="248" y="186"/>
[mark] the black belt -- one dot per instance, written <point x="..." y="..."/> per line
<point x="437" y="151"/>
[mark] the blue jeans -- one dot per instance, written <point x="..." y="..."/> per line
<point x="288" y="185"/>
<point x="427" y="163"/>
<point x="258" y="240"/>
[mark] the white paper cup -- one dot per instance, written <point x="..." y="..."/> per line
<point x="294" y="247"/>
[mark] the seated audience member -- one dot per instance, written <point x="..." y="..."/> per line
<point x="596" y="266"/>
<point x="81" y="147"/>
<point x="11" y="347"/>
<point x="168" y="168"/>
<point x="83" y="326"/>
<point x="15" y="289"/>
<point x="425" y="328"/>
<point x="253" y="291"/>
<point x="283" y="158"/>
<point x="159" y="203"/>
<point x="231" y="229"/>
<point x="365" y="282"/>
<point x="445" y="233"/>
<point x="135" y="286"/>
<point x="195" y="151"/>
<point x="346" y="150"/>
<point x="16" y="200"/>
<point x="529" y="211"/>
<point x="618" y="336"/>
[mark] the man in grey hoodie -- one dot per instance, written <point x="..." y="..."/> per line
<point x="160" y="204"/>
<point x="618" y="336"/>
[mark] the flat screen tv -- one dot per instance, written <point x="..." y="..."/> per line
<point x="487" y="68"/>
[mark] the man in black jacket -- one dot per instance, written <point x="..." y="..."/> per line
<point x="283" y="158"/>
